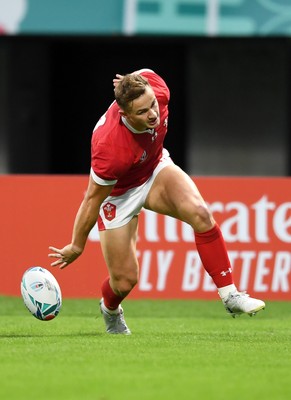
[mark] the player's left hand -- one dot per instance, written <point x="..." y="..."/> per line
<point x="117" y="80"/>
<point x="65" y="256"/>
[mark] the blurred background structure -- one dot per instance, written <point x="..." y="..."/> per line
<point x="227" y="63"/>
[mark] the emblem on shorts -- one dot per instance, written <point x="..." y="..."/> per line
<point x="109" y="211"/>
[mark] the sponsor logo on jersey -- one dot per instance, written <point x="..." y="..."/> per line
<point x="143" y="157"/>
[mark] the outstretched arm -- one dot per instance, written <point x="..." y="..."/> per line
<point x="85" y="219"/>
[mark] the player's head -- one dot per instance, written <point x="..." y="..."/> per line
<point x="137" y="102"/>
<point x="131" y="87"/>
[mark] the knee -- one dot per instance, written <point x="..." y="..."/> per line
<point x="202" y="219"/>
<point x="122" y="284"/>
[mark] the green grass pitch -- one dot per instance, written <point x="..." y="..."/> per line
<point x="177" y="350"/>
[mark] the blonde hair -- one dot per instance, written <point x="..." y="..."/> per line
<point x="129" y="88"/>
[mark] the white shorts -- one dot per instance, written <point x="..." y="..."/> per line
<point x="116" y="211"/>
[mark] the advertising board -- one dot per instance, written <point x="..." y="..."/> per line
<point x="254" y="215"/>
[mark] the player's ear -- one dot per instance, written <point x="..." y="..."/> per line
<point x="122" y="113"/>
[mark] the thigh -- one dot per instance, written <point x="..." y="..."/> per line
<point x="175" y="194"/>
<point x="119" y="250"/>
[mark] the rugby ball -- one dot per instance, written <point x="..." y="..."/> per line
<point x="41" y="293"/>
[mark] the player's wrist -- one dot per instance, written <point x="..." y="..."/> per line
<point x="76" y="249"/>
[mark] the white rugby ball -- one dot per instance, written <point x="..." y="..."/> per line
<point x="41" y="293"/>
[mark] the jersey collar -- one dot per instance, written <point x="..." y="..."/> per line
<point x="133" y="130"/>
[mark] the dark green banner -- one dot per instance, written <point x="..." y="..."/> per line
<point x="156" y="17"/>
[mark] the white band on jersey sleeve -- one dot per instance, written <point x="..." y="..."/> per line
<point x="100" y="181"/>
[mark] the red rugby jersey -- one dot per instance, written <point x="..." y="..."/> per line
<point x="124" y="158"/>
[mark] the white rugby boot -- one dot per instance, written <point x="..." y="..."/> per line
<point x="114" y="322"/>
<point x="237" y="303"/>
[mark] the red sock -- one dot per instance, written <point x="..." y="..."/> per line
<point x="111" y="300"/>
<point x="212" y="251"/>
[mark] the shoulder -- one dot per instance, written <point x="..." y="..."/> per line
<point x="107" y="125"/>
<point x="158" y="84"/>
<point x="151" y="75"/>
<point x="111" y="147"/>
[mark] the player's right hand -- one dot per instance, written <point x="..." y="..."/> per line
<point x="65" y="256"/>
<point x="117" y="80"/>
